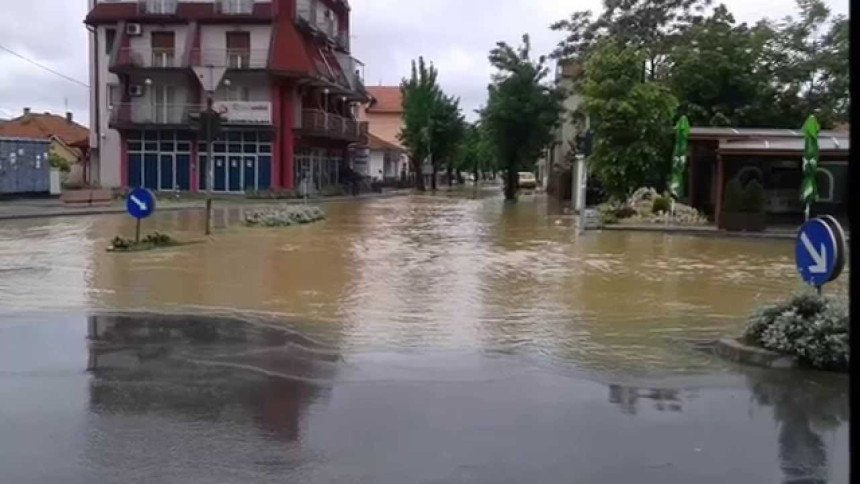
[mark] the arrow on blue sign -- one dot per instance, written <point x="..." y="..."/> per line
<point x="817" y="253"/>
<point x="140" y="203"/>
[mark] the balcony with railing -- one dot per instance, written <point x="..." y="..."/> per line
<point x="136" y="114"/>
<point x="231" y="58"/>
<point x="235" y="7"/>
<point x="157" y="7"/>
<point x="147" y="58"/>
<point x="316" y="122"/>
<point x="319" y="19"/>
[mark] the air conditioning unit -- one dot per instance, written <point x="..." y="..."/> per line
<point x="135" y="90"/>
<point x="133" y="29"/>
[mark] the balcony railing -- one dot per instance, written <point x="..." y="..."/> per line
<point x="157" y="7"/>
<point x="308" y="11"/>
<point x="231" y="58"/>
<point x="148" y="58"/>
<point x="235" y="7"/>
<point x="332" y="125"/>
<point x="352" y="69"/>
<point x="145" y="113"/>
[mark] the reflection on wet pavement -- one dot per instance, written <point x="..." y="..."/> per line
<point x="419" y="339"/>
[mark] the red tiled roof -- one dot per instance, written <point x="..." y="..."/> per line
<point x="388" y="99"/>
<point x="115" y="12"/>
<point x="44" y="126"/>
<point x="377" y="143"/>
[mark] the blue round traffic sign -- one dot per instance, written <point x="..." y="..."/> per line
<point x="140" y="203"/>
<point x="817" y="253"/>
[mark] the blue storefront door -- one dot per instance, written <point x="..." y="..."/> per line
<point x="249" y="168"/>
<point x="220" y="184"/>
<point x="235" y="174"/>
<point x="264" y="172"/>
<point x="183" y="172"/>
<point x="167" y="173"/>
<point x="150" y="171"/>
<point x="135" y="170"/>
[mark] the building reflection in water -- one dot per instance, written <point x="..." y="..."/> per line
<point x="627" y="398"/>
<point x="203" y="369"/>
<point x="804" y="407"/>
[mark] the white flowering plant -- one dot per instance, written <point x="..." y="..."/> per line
<point x="809" y="326"/>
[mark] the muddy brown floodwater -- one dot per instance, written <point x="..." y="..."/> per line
<point x="445" y="338"/>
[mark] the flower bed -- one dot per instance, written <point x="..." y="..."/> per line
<point x="647" y="206"/>
<point x="808" y="326"/>
<point x="286" y="216"/>
<point x="152" y="241"/>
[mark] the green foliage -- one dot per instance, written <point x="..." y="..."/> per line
<point x="433" y="126"/>
<point x="60" y="163"/>
<point x="523" y="110"/>
<point x="737" y="198"/>
<point x="150" y="241"/>
<point x="724" y="73"/>
<point x="811" y="327"/>
<point x="733" y="196"/>
<point x="285" y="216"/>
<point x="631" y="121"/>
<point x="754" y="198"/>
<point x="661" y="205"/>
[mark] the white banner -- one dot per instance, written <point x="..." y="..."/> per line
<point x="250" y="112"/>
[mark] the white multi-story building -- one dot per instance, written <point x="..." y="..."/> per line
<point x="279" y="72"/>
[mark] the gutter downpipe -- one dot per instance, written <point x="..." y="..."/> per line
<point x="96" y="107"/>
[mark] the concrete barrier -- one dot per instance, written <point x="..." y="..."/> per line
<point x="734" y="350"/>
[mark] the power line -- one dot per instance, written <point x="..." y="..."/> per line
<point x="71" y="79"/>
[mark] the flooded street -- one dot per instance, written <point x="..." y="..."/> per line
<point x="412" y="339"/>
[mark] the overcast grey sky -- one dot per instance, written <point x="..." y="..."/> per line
<point x="456" y="35"/>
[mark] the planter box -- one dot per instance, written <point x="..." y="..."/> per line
<point x="743" y="221"/>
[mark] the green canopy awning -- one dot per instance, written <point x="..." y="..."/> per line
<point x="809" y="185"/>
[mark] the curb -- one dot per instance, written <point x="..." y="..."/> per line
<point x="732" y="349"/>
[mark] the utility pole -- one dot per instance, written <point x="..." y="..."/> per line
<point x="209" y="122"/>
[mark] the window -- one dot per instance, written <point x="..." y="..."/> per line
<point x="110" y="38"/>
<point x="238" y="50"/>
<point x="163" y="44"/>
<point x="825" y="185"/>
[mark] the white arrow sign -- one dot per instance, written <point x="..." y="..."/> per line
<point x="141" y="205"/>
<point x="820" y="258"/>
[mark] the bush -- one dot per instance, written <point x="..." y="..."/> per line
<point x="661" y="205"/>
<point x="733" y="197"/>
<point x="284" y="217"/>
<point x="754" y="198"/>
<point x="811" y="327"/>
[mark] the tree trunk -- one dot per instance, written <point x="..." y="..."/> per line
<point x="460" y="180"/>
<point x="476" y="176"/>
<point x="419" y="176"/>
<point x="450" y="176"/>
<point x="435" y="177"/>
<point x="511" y="185"/>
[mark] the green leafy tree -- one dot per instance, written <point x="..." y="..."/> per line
<point x="448" y="129"/>
<point x="649" y="26"/>
<point x="522" y="112"/>
<point x="717" y="76"/>
<point x="631" y="121"/>
<point x="420" y="97"/>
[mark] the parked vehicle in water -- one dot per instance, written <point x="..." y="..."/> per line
<point x="528" y="180"/>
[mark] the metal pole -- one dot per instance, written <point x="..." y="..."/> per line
<point x="210" y="162"/>
<point x="137" y="232"/>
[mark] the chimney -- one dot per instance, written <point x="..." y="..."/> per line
<point x="26" y="111"/>
<point x="69" y="117"/>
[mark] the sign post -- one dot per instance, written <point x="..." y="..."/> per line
<point x="820" y="251"/>
<point x="140" y="204"/>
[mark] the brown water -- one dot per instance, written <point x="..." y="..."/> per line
<point x="420" y="272"/>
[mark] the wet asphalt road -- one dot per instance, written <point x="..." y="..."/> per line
<point x="145" y="398"/>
